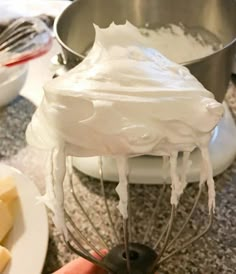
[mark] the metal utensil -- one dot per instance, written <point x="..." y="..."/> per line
<point x="126" y="255"/>
<point x="75" y="33"/>
<point x="23" y="40"/>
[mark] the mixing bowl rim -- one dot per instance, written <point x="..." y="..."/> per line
<point x="191" y="62"/>
<point x="21" y="70"/>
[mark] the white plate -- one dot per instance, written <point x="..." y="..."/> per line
<point x="28" y="240"/>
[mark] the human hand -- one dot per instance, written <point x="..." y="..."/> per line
<point x="81" y="266"/>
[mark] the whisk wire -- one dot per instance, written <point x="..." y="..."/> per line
<point x="16" y="39"/>
<point x="190" y="241"/>
<point x="188" y="218"/>
<point x="78" y="244"/>
<point x="154" y="213"/>
<point x="126" y="243"/>
<point x="164" y="243"/>
<point x="24" y="39"/>
<point x="13" y="33"/>
<point x="100" y="237"/>
<point x="129" y="212"/>
<point x="164" y="230"/>
<point x="105" y="201"/>
<point x="81" y="235"/>
<point x="12" y="28"/>
<point x="86" y="256"/>
<point x="169" y="230"/>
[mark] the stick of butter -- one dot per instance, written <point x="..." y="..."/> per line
<point x="6" y="220"/>
<point x="8" y="191"/>
<point x="5" y="256"/>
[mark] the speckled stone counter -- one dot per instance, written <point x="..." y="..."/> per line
<point x="215" y="253"/>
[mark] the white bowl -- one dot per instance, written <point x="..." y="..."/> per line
<point x="12" y="80"/>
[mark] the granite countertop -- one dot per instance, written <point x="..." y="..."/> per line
<point x="215" y="253"/>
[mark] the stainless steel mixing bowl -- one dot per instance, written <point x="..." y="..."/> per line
<point x="75" y="32"/>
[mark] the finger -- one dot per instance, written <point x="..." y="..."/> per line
<point x="82" y="266"/>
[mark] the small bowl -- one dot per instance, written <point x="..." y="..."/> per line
<point x="12" y="80"/>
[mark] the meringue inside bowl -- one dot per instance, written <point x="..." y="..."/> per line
<point x="75" y="32"/>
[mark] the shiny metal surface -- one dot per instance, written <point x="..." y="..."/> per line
<point x="126" y="256"/>
<point x="75" y="32"/>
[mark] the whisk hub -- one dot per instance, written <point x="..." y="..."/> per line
<point x="142" y="259"/>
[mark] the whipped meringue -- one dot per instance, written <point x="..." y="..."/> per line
<point x="125" y="99"/>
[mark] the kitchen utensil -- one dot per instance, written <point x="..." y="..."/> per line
<point x="74" y="30"/>
<point x="23" y="40"/>
<point x="75" y="33"/>
<point x="124" y="255"/>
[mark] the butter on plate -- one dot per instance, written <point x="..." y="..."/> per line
<point x="8" y="193"/>
<point x="6" y="220"/>
<point x="5" y="257"/>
